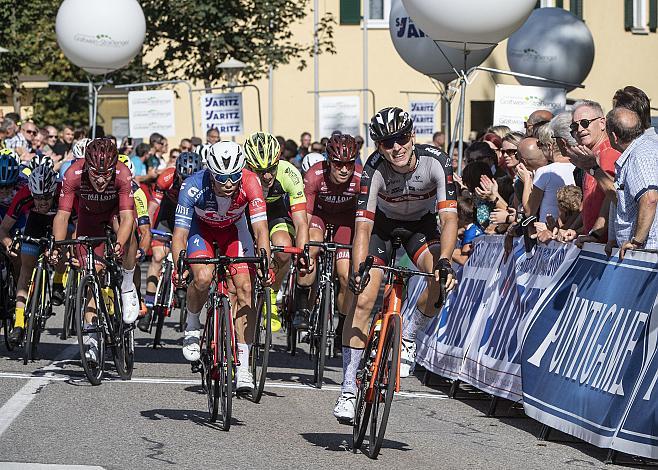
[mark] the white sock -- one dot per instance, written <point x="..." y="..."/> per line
<point x="351" y="359"/>
<point x="127" y="281"/>
<point x="193" y="321"/>
<point x="412" y="325"/>
<point x="243" y="355"/>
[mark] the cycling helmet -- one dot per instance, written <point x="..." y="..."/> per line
<point x="203" y="150"/>
<point x="311" y="159"/>
<point x="341" y="147"/>
<point x="262" y="150"/>
<point x="10" y="153"/>
<point x="225" y="158"/>
<point x="40" y="159"/>
<point x="9" y="168"/>
<point x="101" y="155"/>
<point x="188" y="163"/>
<point x="125" y="159"/>
<point x="79" y="147"/>
<point x="390" y="122"/>
<point x="42" y="180"/>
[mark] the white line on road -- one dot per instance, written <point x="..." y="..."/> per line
<point x="19" y="401"/>
<point x="169" y="381"/>
<point x="45" y="466"/>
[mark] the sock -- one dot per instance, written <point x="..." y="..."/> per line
<point x="20" y="317"/>
<point x="57" y="278"/>
<point x="243" y="355"/>
<point x="351" y="359"/>
<point x="193" y="321"/>
<point x="127" y="281"/>
<point x="416" y="322"/>
<point x="149" y="298"/>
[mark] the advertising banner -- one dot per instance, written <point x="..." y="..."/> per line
<point x="423" y="114"/>
<point x="151" y="111"/>
<point x="222" y="111"/>
<point x="340" y="113"/>
<point x="514" y="103"/>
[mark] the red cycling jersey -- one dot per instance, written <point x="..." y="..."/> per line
<point x="324" y="196"/>
<point x="167" y="185"/>
<point x="23" y="203"/>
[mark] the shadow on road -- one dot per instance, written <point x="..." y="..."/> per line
<point x="336" y="442"/>
<point x="195" y="416"/>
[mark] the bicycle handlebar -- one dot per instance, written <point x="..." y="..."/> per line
<point x="329" y="246"/>
<point x="161" y="235"/>
<point x="293" y="250"/>
<point x="20" y="238"/>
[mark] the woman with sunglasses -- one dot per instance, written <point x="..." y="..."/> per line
<point x="331" y="189"/>
<point x="37" y="202"/>
<point x="404" y="186"/>
<point x="211" y="209"/>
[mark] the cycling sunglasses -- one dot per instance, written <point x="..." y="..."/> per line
<point x="223" y="179"/>
<point x="584" y="123"/>
<point x="340" y="164"/>
<point x="43" y="197"/>
<point x="107" y="174"/>
<point x="270" y="169"/>
<point x="401" y="140"/>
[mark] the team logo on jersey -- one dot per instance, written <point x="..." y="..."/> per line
<point x="435" y="151"/>
<point x="380" y="251"/>
<point x="192" y="192"/>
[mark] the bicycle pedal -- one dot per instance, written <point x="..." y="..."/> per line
<point x="346" y="422"/>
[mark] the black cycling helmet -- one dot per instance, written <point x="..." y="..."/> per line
<point x="390" y="122"/>
<point x="188" y="163"/>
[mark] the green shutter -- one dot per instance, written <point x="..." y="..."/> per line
<point x="559" y="3"/>
<point x="576" y="7"/>
<point x="350" y="12"/>
<point x="628" y="15"/>
<point x="653" y="15"/>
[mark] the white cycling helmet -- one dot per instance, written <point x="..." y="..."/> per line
<point x="203" y="150"/>
<point x="225" y="158"/>
<point x="311" y="159"/>
<point x="79" y="147"/>
<point x="42" y="180"/>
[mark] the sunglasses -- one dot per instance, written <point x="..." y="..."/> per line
<point x="339" y="164"/>
<point x="270" y="169"/>
<point x="42" y="197"/>
<point x="509" y="152"/>
<point x="316" y="149"/>
<point x="584" y="123"/>
<point x="102" y="174"/>
<point x="388" y="144"/>
<point x="52" y="136"/>
<point x="223" y="179"/>
<point x="31" y="132"/>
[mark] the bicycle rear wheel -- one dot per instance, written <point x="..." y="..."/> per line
<point x="70" y="291"/>
<point x="384" y="386"/>
<point x="260" y="349"/>
<point x="289" y="306"/>
<point x="124" y="344"/>
<point x="89" y="291"/>
<point x="326" y="309"/>
<point x="163" y="303"/>
<point x="33" y="317"/>
<point x="209" y="359"/>
<point x="9" y="306"/>
<point x="225" y="348"/>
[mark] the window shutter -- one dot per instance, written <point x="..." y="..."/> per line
<point x="350" y="12"/>
<point x="628" y="15"/>
<point x="576" y="7"/>
<point x="653" y="15"/>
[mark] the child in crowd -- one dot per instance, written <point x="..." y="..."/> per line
<point x="468" y="230"/>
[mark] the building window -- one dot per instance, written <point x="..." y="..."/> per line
<point x="575" y="6"/>
<point x="350" y="12"/>
<point x="640" y="16"/>
<point x="378" y="13"/>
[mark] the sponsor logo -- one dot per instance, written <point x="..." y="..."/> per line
<point x="192" y="192"/>
<point x="380" y="251"/>
<point x="434" y="151"/>
<point x="101" y="40"/>
<point x="407" y="29"/>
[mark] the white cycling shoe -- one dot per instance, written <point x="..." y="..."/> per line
<point x="244" y="381"/>
<point x="191" y="348"/>
<point x="407" y="358"/>
<point x="345" y="408"/>
<point x="130" y="305"/>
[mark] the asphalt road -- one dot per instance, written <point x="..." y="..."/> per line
<point x="49" y="414"/>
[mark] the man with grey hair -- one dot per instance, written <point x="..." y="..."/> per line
<point x="13" y="139"/>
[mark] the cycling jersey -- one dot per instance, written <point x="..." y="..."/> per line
<point x="322" y="195"/>
<point x="141" y="205"/>
<point x="288" y="186"/>
<point x="23" y="203"/>
<point x="197" y="200"/>
<point x="407" y="197"/>
<point x="167" y="187"/>
<point x="6" y="202"/>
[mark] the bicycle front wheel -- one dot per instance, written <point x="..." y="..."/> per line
<point x="9" y="306"/>
<point x="89" y="294"/>
<point x="209" y="360"/>
<point x="384" y="386"/>
<point x="363" y="405"/>
<point x="69" y="303"/>
<point x="124" y="341"/>
<point x="260" y="350"/>
<point x="326" y="310"/>
<point x="33" y="318"/>
<point x="225" y="363"/>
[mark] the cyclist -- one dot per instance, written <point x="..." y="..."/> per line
<point x="331" y="189"/>
<point x="162" y="210"/>
<point x="283" y="190"/>
<point x="37" y="201"/>
<point x="211" y="209"/>
<point x="78" y="151"/>
<point x="403" y="186"/>
<point x="100" y="188"/>
<point x="9" y="170"/>
<point x="38" y="160"/>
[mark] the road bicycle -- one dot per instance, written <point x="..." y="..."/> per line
<point x="101" y="292"/>
<point x="218" y="363"/>
<point x="71" y="283"/>
<point x="7" y="297"/>
<point x="287" y="309"/>
<point x="321" y="330"/>
<point x="378" y="377"/>
<point x="38" y="304"/>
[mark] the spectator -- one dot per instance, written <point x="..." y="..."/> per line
<point x="500" y="131"/>
<point x="196" y="142"/>
<point x="65" y="142"/>
<point x="439" y="140"/>
<point x="496" y="142"/>
<point x="304" y="144"/>
<point x="50" y="138"/>
<point x="636" y="100"/>
<point x="359" y="146"/>
<point x="569" y="201"/>
<point x="173" y="156"/>
<point x="14" y="140"/>
<point x="455" y="158"/>
<point x="127" y="146"/>
<point x="323" y="142"/>
<point x="139" y="161"/>
<point x="81" y="133"/>
<point x="289" y="153"/>
<point x="316" y="147"/>
<point x="281" y="140"/>
<point x="472" y="176"/>
<point x="536" y="120"/>
<point x="186" y="145"/>
<point x="212" y="136"/>
<point x="39" y="140"/>
<point x="158" y="147"/>
<point x="481" y="151"/>
<point x="28" y="132"/>
<point x="468" y="231"/>
<point x="553" y="141"/>
<point x="636" y="170"/>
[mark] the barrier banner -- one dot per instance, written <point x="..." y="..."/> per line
<point x="492" y="362"/>
<point x="585" y="348"/>
<point x="440" y="348"/>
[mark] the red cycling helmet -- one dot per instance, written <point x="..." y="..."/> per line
<point x="101" y="156"/>
<point x="342" y="148"/>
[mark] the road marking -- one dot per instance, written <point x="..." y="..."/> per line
<point x="19" y="401"/>
<point x="45" y="466"/>
<point x="170" y="381"/>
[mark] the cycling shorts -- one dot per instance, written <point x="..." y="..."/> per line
<point x="279" y="218"/>
<point x="417" y="236"/>
<point x="343" y="229"/>
<point x="37" y="226"/>
<point x="234" y="240"/>
<point x="95" y="229"/>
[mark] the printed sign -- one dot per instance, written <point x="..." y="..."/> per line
<point x="151" y="111"/>
<point x="423" y="115"/>
<point x="222" y="111"/>
<point x="340" y="113"/>
<point x="514" y="103"/>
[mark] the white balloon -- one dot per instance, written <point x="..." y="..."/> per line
<point x="478" y="23"/>
<point x="553" y="43"/>
<point x="100" y="35"/>
<point x="421" y="53"/>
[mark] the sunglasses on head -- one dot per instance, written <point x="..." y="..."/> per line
<point x="340" y="164"/>
<point x="509" y="152"/>
<point x="584" y="123"/>
<point x="401" y="140"/>
<point x="223" y="179"/>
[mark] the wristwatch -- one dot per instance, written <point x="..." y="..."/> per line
<point x="637" y="243"/>
<point x="592" y="171"/>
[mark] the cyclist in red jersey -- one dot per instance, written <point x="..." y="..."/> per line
<point x="162" y="209"/>
<point x="100" y="188"/>
<point x="331" y="189"/>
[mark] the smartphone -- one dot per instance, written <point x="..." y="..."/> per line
<point x="129" y="141"/>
